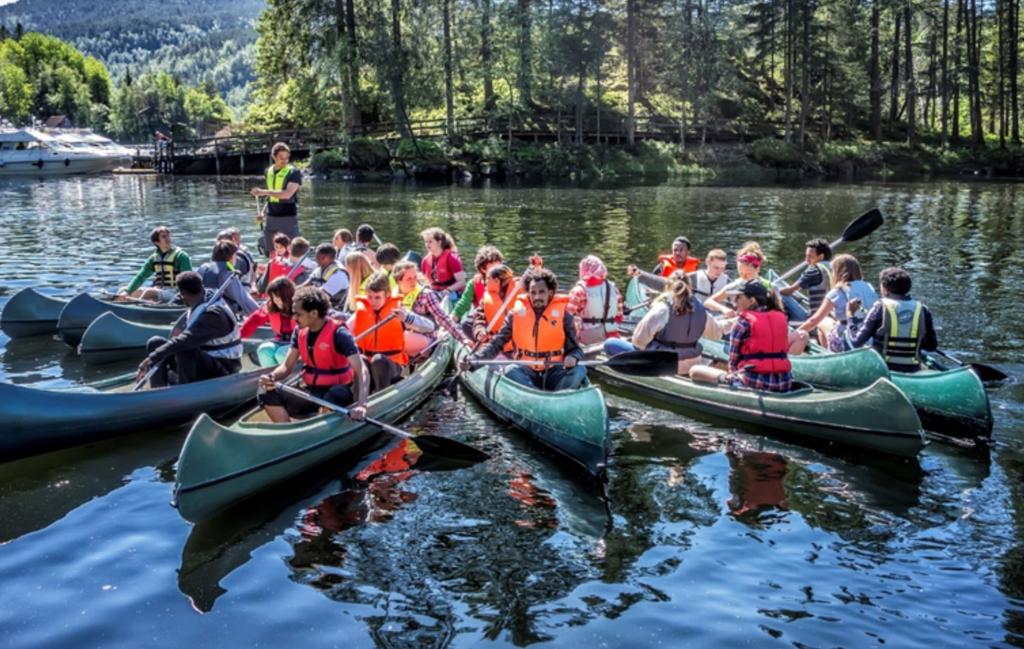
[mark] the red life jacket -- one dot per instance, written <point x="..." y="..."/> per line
<point x="279" y="267"/>
<point x="479" y="288"/>
<point x="439" y="270"/>
<point x="765" y="351"/>
<point x="327" y="367"/>
<point x="282" y="325"/>
<point x="669" y="265"/>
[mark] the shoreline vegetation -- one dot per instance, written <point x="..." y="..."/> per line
<point x="765" y="159"/>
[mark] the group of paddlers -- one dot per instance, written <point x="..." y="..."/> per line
<point x="361" y="318"/>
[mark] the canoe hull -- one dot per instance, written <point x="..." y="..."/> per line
<point x="111" y="339"/>
<point x="952" y="402"/>
<point x="30" y="313"/>
<point x="38" y="420"/>
<point x="573" y="423"/>
<point x="79" y="312"/>
<point x="877" y="418"/>
<point x="221" y="465"/>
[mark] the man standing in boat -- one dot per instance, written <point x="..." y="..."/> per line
<point x="541" y="331"/>
<point x="281" y="213"/>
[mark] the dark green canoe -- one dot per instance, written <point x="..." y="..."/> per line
<point x="573" y="423"/>
<point x="38" y="420"/>
<point x="220" y="465"/>
<point x="30" y="313"/>
<point x="110" y="339"/>
<point x="79" y="312"/>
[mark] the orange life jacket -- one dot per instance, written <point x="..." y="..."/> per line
<point x="765" y="351"/>
<point x="326" y="367"/>
<point x="539" y="339"/>
<point x="669" y="265"/>
<point x="492" y="303"/>
<point x="389" y="339"/>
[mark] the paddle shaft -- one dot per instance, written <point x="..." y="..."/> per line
<point x="490" y="325"/>
<point x="394" y="430"/>
<point x="856" y="229"/>
<point x="297" y="268"/>
<point x="375" y="327"/>
<point x="152" y="370"/>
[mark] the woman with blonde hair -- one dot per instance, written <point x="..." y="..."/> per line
<point x="442" y="265"/>
<point x="844" y="307"/>
<point x="359" y="271"/>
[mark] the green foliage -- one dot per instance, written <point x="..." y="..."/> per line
<point x="773" y="152"/>
<point x="421" y="151"/>
<point x="325" y="161"/>
<point x="161" y="102"/>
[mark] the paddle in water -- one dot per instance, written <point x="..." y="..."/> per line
<point x="987" y="373"/>
<point x="427" y="443"/>
<point x="638" y="363"/>
<point x="858" y="228"/>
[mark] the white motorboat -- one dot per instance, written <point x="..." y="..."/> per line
<point x="35" y="152"/>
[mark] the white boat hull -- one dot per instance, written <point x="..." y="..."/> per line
<point x="53" y="164"/>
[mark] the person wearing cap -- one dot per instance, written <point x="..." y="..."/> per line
<point x="680" y="259"/>
<point x="758" y="342"/>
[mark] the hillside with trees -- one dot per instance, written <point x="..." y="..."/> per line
<point x="196" y="41"/>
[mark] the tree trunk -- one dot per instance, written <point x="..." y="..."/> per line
<point x="449" y="81"/>
<point x="631" y="69"/>
<point x="397" y="66"/>
<point x="490" y="101"/>
<point x="929" y="98"/>
<point x="788" y="61"/>
<point x="894" y="85"/>
<point x="524" y="73"/>
<point x="957" y="67"/>
<point x="1014" y="70"/>
<point x="875" y="75"/>
<point x="910" y="76"/>
<point x="945" y="72"/>
<point x="977" y="135"/>
<point x="1001" y="69"/>
<point x="805" y="72"/>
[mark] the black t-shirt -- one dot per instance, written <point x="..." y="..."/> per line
<point x="344" y="343"/>
<point x="289" y="207"/>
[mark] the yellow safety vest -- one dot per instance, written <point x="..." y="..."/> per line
<point x="276" y="178"/>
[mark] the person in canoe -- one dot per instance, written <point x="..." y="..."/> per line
<point x="283" y="183"/>
<point x="332" y="368"/>
<point x="205" y="343"/>
<point x="220" y="270"/>
<point x="165" y="264"/>
<point x="757" y="347"/>
<point x="364" y="238"/>
<point x="679" y="259"/>
<point x="279" y="263"/>
<point x="749" y="260"/>
<point x="676" y="322"/>
<point x="298" y="255"/>
<point x="422" y="301"/>
<point x="359" y="269"/>
<point x="245" y="264"/>
<point x="387" y="255"/>
<point x="542" y="332"/>
<point x="595" y="303"/>
<point x="278" y="313"/>
<point x="384" y="347"/>
<point x="834" y="319"/>
<point x="343" y="243"/>
<point x="442" y="264"/>
<point x="329" y="275"/>
<point x="501" y="291"/>
<point x="816" y="280"/>
<point x="711" y="279"/>
<point x="898" y="326"/>
<point x="486" y="258"/>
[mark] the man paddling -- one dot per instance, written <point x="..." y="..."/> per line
<point x="898" y="326"/>
<point x="332" y="368"/>
<point x="165" y="264"/>
<point x="542" y="331"/>
<point x="816" y="280"/>
<point x="207" y="343"/>
<point x="283" y="182"/>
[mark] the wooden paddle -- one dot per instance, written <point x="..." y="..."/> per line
<point x="638" y="363"/>
<point x="427" y="443"/>
<point x="859" y="228"/>
<point x="192" y="319"/>
<point x="987" y="373"/>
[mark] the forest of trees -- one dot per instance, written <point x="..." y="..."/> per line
<point x="42" y="76"/>
<point x="808" y="70"/>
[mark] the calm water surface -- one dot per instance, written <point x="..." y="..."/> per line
<point x="712" y="536"/>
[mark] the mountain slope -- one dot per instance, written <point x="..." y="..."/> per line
<point x="194" y="39"/>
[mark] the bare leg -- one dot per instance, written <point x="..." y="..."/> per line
<point x="706" y="374"/>
<point x="277" y="414"/>
<point x="797" y="342"/>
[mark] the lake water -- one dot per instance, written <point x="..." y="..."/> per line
<point x="712" y="536"/>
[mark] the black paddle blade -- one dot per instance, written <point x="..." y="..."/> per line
<point x="449" y="448"/>
<point x="988" y="374"/>
<point x="645" y="363"/>
<point x="863" y="226"/>
<point x="413" y="256"/>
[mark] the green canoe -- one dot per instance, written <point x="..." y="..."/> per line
<point x="877" y="417"/>
<point x="78" y="314"/>
<point x="221" y="465"/>
<point x="573" y="423"/>
<point x="38" y="420"/>
<point x="30" y="313"/>
<point x="110" y="339"/>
